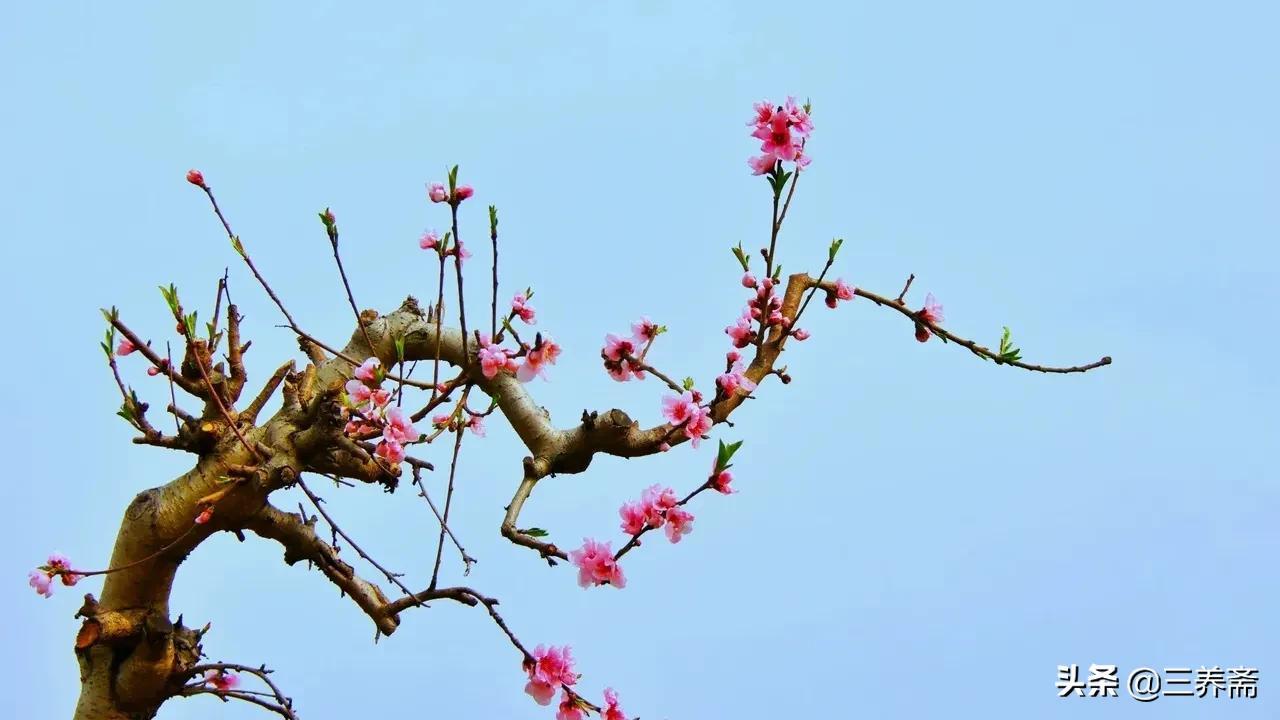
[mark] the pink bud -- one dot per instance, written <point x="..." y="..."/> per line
<point x="153" y="371"/>
<point x="733" y="356"/>
<point x="204" y="516"/>
<point x="800" y="334"/>
<point x="748" y="280"/>
<point x="125" y="347"/>
<point x="437" y="193"/>
<point x="462" y="193"/>
<point x="195" y="178"/>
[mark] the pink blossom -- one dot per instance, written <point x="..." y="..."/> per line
<point x="656" y="500"/>
<point x="391" y="451"/>
<point x="663" y="447"/>
<point x="679" y="523"/>
<point x="57" y="566"/>
<point x="761" y="164"/>
<point x="596" y="565"/>
<point x="764" y="113"/>
<point x="125" y="347"/>
<point x="476" y="425"/>
<point x="777" y="138"/>
<point x="195" y="178"/>
<point x="429" y="240"/>
<point x="616" y="348"/>
<point x="551" y="667"/>
<point x="731" y="381"/>
<point x="440" y="421"/>
<point x="733" y="356"/>
<point x="370" y="371"/>
<point x="644" y="330"/>
<point x="520" y="305"/>
<point x="616" y="352"/>
<point x="634" y="517"/>
<point x="741" y="332"/>
<point x="493" y="358"/>
<point x="459" y="252"/>
<point x="843" y="290"/>
<point x="153" y="371"/>
<point x="678" y="408"/>
<point x="398" y="428"/>
<point x="932" y="311"/>
<point x="221" y="680"/>
<point x="569" y="709"/>
<point x="536" y="360"/>
<point x="800" y="123"/>
<point x="800" y="334"/>
<point x="612" y="711"/>
<point x="720" y="482"/>
<point x="748" y="280"/>
<point x="42" y="582"/>
<point x="699" y="424"/>
<point x="462" y="192"/>
<point x="358" y="392"/>
<point x="437" y="193"/>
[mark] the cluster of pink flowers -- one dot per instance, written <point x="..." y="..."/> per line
<point x="430" y="240"/>
<point x="842" y="291"/>
<point x="734" y="378"/>
<point x="495" y="359"/>
<point x="612" y="711"/>
<point x="368" y="404"/>
<point x="221" y="680"/>
<point x="657" y="508"/>
<point x="782" y="130"/>
<point x="686" y="411"/>
<point x="624" y="356"/>
<point x="544" y="352"/>
<point x="596" y="565"/>
<point x="720" y="482"/>
<point x="550" y="668"/>
<point x="438" y="193"/>
<point x="57" y="566"/>
<point x="931" y="313"/>
<point x="523" y="310"/>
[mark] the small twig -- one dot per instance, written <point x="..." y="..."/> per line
<point x="902" y="295"/>
<point x="448" y="502"/>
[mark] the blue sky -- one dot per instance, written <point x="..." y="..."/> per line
<point x="918" y="534"/>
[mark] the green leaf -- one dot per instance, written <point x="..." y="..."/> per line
<point x="835" y="248"/>
<point x="688" y="383"/>
<point x="743" y="259"/>
<point x="236" y="245"/>
<point x="400" y="349"/>
<point x="170" y="297"/>
<point x="534" y="532"/>
<point x="190" y="322"/>
<point x="493" y="219"/>
<point x="1008" y="353"/>
<point x="725" y="454"/>
<point x="453" y="179"/>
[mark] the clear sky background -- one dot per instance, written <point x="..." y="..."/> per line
<point x="918" y="534"/>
